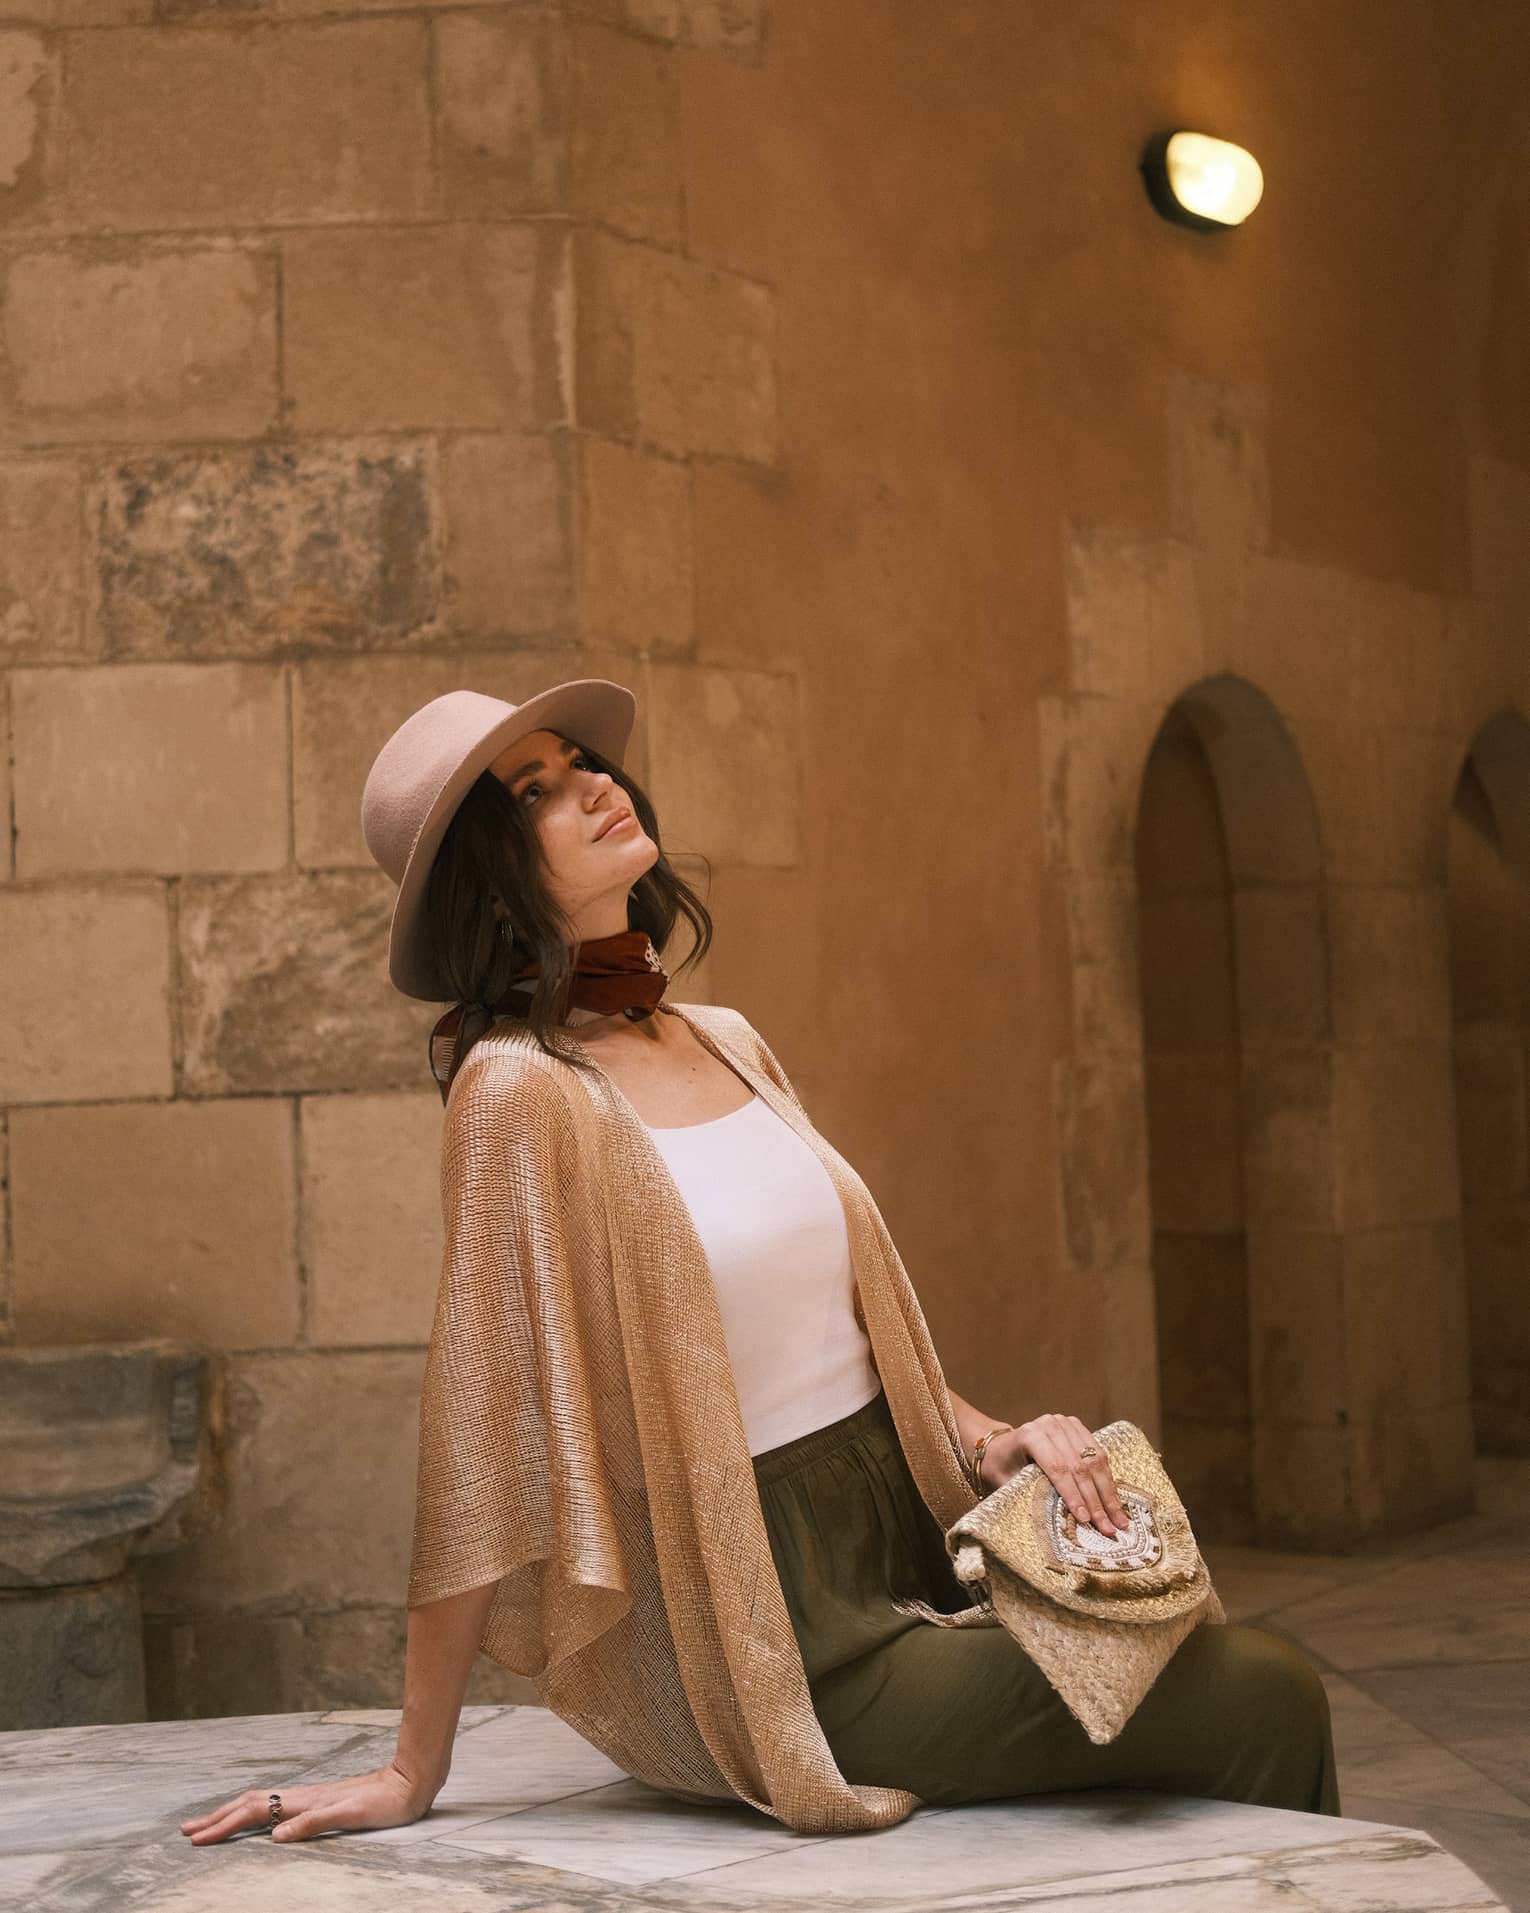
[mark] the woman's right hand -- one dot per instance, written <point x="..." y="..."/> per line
<point x="386" y="1797"/>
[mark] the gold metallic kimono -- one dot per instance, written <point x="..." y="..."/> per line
<point x="581" y="1441"/>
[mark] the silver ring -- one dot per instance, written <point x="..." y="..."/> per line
<point x="1087" y="1454"/>
<point x="275" y="1810"/>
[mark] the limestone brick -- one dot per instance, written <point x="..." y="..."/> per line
<point x="1202" y="1285"/>
<point x="7" y="847"/>
<point x="429" y="326"/>
<point x="1192" y="1105"/>
<point x="1288" y="1139"/>
<point x="1103" y="932"/>
<point x="1427" y="1464"/>
<point x="625" y="157"/>
<point x="1188" y="987"/>
<point x="57" y="1045"/>
<point x="1383" y="800"/>
<point x="636" y="556"/>
<point x="28" y="105"/>
<point x="285" y="988"/>
<point x="1395" y="1135"/>
<point x="345" y="710"/>
<point x="265" y="551"/>
<point x="1405" y="1320"/>
<point x="1492" y="1111"/>
<point x="1388" y="963"/>
<point x="1133" y="625"/>
<point x="673" y="354"/>
<point x="41" y="560"/>
<point x="151" y="342"/>
<point x="1211" y="1466"/>
<point x="509" y="554"/>
<point x="1314" y="1484"/>
<point x="150" y="767"/>
<point x="503" y="107"/>
<point x="724" y="752"/>
<point x="720" y="26"/>
<point x="1281" y="958"/>
<point x="213" y="126"/>
<point x="319" y="1464"/>
<point x="1297" y="1326"/>
<point x="1093" y="750"/>
<point x="139" y="1220"/>
<point x="1102" y="1151"/>
<point x="371" y="1233"/>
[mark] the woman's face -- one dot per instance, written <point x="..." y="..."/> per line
<point x="591" y="868"/>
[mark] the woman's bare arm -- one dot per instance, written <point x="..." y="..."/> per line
<point x="443" y="1638"/>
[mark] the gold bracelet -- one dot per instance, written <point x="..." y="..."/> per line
<point x="1004" y="1427"/>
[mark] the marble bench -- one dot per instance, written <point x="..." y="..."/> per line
<point x="534" y="1818"/>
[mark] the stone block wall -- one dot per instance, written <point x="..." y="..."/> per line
<point x="344" y="360"/>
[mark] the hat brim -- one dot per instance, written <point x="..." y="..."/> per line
<point x="593" y="710"/>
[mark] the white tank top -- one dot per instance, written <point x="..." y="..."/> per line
<point x="773" y="1228"/>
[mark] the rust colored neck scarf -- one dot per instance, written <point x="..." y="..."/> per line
<point x="616" y="973"/>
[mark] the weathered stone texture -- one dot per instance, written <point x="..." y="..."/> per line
<point x="1093" y="750"/>
<point x="1133" y="620"/>
<point x="672" y="353"/>
<point x="40" y="560"/>
<point x="138" y="1220"/>
<point x="28" y="96"/>
<point x="636" y="554"/>
<point x="71" y="1656"/>
<point x="7" y="851"/>
<point x="509" y="553"/>
<point x="1388" y="963"/>
<point x="717" y="739"/>
<point x="1196" y="1169"/>
<point x="721" y="26"/>
<point x="430" y="326"/>
<point x="1395" y="1135"/>
<point x="503" y="92"/>
<point x="371" y="1235"/>
<point x="1288" y="1139"/>
<point x="1296" y="1326"/>
<point x="1406" y="1326"/>
<point x="202" y="126"/>
<point x="151" y="767"/>
<point x="319" y="1467"/>
<point x="625" y="163"/>
<point x="1102" y="1150"/>
<point x="158" y="343"/>
<point x="270" y="551"/>
<point x="85" y="976"/>
<point x="285" y="987"/>
<point x="345" y="710"/>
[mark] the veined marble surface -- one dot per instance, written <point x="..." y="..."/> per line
<point x="533" y="1818"/>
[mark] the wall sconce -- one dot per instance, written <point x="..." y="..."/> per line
<point x="1198" y="181"/>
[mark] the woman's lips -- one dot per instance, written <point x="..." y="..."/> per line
<point x="611" y="829"/>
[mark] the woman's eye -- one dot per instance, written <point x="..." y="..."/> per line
<point x="578" y="758"/>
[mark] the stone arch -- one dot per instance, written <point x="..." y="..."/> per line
<point x="1237" y="1031"/>
<point x="1488" y="913"/>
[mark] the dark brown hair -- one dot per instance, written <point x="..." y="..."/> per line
<point x="492" y="849"/>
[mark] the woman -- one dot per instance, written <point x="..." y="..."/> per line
<point x="684" y="1439"/>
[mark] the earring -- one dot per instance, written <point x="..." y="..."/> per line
<point x="505" y="930"/>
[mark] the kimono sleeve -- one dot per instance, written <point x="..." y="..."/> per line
<point x="509" y="1487"/>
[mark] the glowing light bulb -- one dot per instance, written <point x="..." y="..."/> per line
<point x="1202" y="181"/>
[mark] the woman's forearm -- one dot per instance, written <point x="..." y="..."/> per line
<point x="443" y="1638"/>
<point x="971" y="1423"/>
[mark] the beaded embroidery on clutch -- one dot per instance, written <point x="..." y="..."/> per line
<point x="1101" y="1615"/>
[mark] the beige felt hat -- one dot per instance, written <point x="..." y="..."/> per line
<point x="427" y="767"/>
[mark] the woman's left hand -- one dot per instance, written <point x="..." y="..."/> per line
<point x="1055" y="1443"/>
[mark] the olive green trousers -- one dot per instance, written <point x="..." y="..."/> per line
<point x="963" y="1714"/>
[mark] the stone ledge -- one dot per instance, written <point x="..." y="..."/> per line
<point x="531" y="1815"/>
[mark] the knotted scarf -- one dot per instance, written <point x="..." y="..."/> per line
<point x="621" y="972"/>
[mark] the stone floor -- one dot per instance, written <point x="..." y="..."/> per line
<point x="1431" y="1695"/>
<point x="1424" y="1646"/>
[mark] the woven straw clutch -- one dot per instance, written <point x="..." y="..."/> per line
<point x="1101" y="1615"/>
